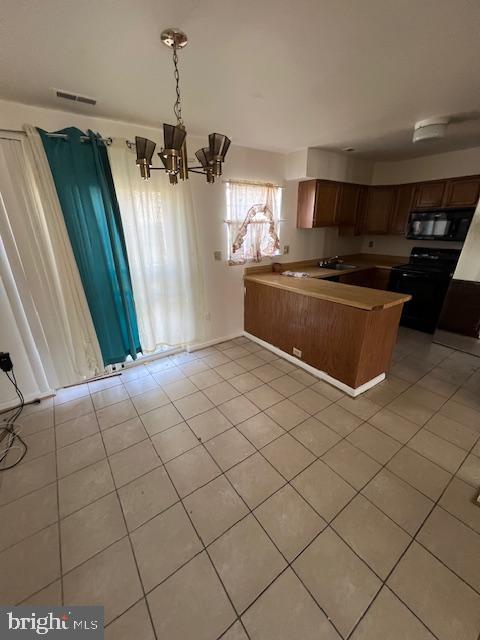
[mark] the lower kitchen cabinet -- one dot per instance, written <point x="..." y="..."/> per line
<point x="374" y="278"/>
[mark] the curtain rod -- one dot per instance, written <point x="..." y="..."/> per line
<point x="254" y="182"/>
<point x="107" y="141"/>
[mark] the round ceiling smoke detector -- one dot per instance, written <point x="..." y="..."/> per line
<point x="430" y="128"/>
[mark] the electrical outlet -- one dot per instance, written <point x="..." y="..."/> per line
<point x="370" y="244"/>
<point x="297" y="352"/>
<point x="217" y="255"/>
<point x="286" y="249"/>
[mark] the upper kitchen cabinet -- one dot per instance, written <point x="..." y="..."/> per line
<point x="430" y="195"/>
<point x="380" y="208"/>
<point x="447" y="194"/>
<point x="399" y="219"/>
<point x="348" y="202"/>
<point x="358" y="209"/>
<point x="317" y="203"/>
<point x="462" y="192"/>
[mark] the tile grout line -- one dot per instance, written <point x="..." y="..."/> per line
<point x="201" y="543"/>
<point x="288" y="563"/>
<point x="130" y="543"/>
<point x="58" y="513"/>
<point x="317" y="457"/>
<point x="236" y="464"/>
<point x="257" y="450"/>
<point x="328" y="522"/>
<point x="223" y="473"/>
<point x="413" y="539"/>
<point x="196" y="533"/>
<point x="358" y="492"/>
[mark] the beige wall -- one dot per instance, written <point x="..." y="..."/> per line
<point x="224" y="291"/>
<point x="337" y="166"/>
<point x="399" y="246"/>
<point x="442" y="165"/>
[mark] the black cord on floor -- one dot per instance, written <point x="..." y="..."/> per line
<point x="12" y="436"/>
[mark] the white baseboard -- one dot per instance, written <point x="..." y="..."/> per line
<point x="211" y="343"/>
<point x="30" y="397"/>
<point x="353" y="392"/>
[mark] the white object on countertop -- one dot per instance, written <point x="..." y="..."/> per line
<point x="295" y="274"/>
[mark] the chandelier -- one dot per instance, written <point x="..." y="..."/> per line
<point x="174" y="153"/>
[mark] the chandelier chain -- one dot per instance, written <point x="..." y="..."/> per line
<point x="177" y="107"/>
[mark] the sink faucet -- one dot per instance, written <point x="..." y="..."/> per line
<point x="326" y="261"/>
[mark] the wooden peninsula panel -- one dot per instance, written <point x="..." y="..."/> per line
<point x="352" y="344"/>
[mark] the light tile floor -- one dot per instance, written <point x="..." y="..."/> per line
<point x="228" y="494"/>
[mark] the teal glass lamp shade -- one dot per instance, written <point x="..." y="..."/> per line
<point x="145" y="149"/>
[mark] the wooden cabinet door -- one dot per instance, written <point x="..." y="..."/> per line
<point x="380" y="279"/>
<point x="359" y="278"/>
<point x="430" y="195"/>
<point x="317" y="203"/>
<point x="361" y="211"/>
<point x="326" y="202"/>
<point x="373" y="278"/>
<point x="306" y="203"/>
<point x="463" y="192"/>
<point x="401" y="214"/>
<point x="380" y="207"/>
<point x="347" y="204"/>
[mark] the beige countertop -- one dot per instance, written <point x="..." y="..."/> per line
<point x="352" y="296"/>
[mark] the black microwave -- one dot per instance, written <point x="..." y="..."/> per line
<point x="441" y="224"/>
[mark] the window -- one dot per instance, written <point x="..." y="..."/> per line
<point x="253" y="216"/>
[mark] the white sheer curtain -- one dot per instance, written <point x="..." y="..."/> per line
<point x="161" y="236"/>
<point x="253" y="215"/>
<point x="43" y="268"/>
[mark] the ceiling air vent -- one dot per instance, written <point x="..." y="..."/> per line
<point x="66" y="95"/>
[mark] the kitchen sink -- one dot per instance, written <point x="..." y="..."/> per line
<point x="340" y="267"/>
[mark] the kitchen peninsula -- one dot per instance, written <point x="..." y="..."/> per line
<point x="344" y="334"/>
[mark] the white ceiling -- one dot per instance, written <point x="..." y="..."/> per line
<point x="273" y="74"/>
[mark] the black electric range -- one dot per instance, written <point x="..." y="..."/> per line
<point x="426" y="278"/>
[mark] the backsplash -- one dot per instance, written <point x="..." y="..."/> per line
<point x="399" y="246"/>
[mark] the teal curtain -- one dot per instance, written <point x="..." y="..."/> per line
<point x="84" y="183"/>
